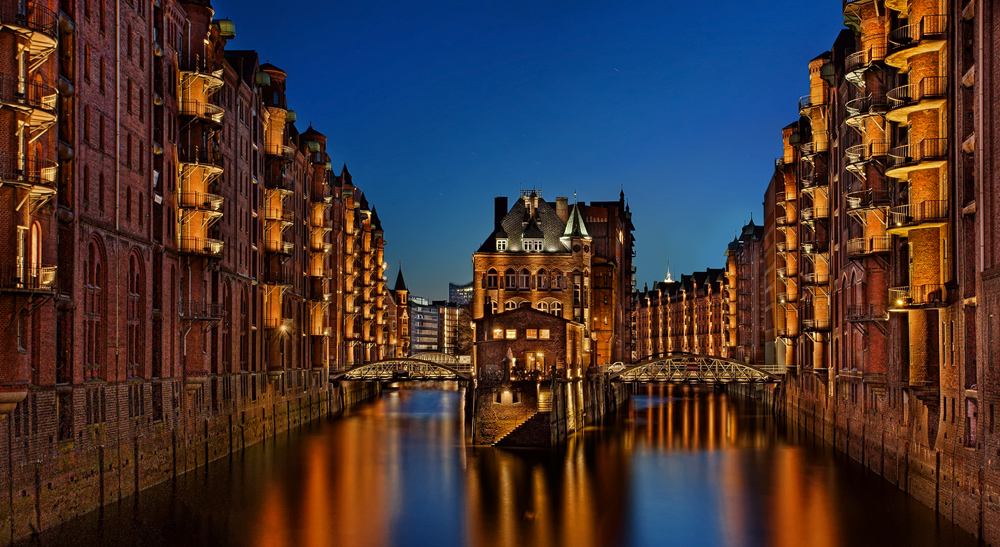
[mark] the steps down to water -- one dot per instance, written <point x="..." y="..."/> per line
<point x="536" y="431"/>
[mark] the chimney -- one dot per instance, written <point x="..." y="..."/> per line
<point x="499" y="211"/>
<point x="562" y="208"/>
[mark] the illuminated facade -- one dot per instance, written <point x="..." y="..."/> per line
<point x="179" y="260"/>
<point x="575" y="263"/>
<point x="690" y="316"/>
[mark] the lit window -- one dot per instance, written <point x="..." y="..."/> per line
<point x="498" y="334"/>
<point x="512" y="334"/>
<point x="510" y="305"/>
<point x="531" y="334"/>
<point x="501" y="244"/>
<point x="556" y="308"/>
<point x="543" y="306"/>
<point x="543" y="334"/>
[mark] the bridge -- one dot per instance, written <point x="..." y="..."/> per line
<point x="427" y="366"/>
<point x="690" y="368"/>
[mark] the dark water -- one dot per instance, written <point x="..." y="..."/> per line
<point x="679" y="468"/>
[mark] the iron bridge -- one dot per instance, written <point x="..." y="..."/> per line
<point x="424" y="366"/>
<point x="689" y="368"/>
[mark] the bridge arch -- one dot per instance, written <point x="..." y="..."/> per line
<point x="428" y="366"/>
<point x="692" y="368"/>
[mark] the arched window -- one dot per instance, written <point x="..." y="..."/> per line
<point x="94" y="305"/>
<point x="524" y="280"/>
<point x="556" y="308"/>
<point x="135" y="337"/>
<point x="493" y="306"/>
<point x="244" y="329"/>
<point x="543" y="307"/>
<point x="510" y="305"/>
<point x="226" y="328"/>
<point x="557" y="280"/>
<point x="542" y="280"/>
<point x="491" y="279"/>
<point x="510" y="279"/>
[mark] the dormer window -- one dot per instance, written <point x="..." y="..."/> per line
<point x="501" y="244"/>
<point x="532" y="245"/>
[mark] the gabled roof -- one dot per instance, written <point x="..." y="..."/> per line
<point x="514" y="225"/>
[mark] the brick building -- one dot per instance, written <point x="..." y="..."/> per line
<point x="689" y="316"/>
<point x="575" y="263"/>
<point x="884" y="215"/>
<point x="541" y="342"/>
<point x="180" y="259"/>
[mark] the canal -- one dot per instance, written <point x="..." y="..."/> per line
<point x="679" y="467"/>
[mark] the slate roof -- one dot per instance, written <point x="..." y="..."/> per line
<point x="515" y="223"/>
<point x="400" y="282"/>
<point x="576" y="227"/>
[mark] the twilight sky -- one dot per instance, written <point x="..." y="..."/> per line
<point x="438" y="108"/>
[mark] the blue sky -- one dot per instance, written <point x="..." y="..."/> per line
<point x="437" y="107"/>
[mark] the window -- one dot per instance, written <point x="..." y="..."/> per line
<point x="531" y="334"/>
<point x="512" y="334"/>
<point x="524" y="280"/>
<point x="498" y="334"/>
<point x="557" y="280"/>
<point x="510" y="305"/>
<point x="501" y="244"/>
<point x="491" y="279"/>
<point x="510" y="279"/>
<point x="542" y="280"/>
<point x="543" y="334"/>
<point x="532" y="245"/>
<point x="93" y="311"/>
<point x="136" y="338"/>
<point x="543" y="307"/>
<point x="556" y="308"/>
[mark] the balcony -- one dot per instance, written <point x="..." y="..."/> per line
<point x="917" y="297"/>
<point x="862" y="247"/>
<point x="197" y="156"/>
<point x="202" y="110"/>
<point x="199" y="68"/>
<point x="810" y="214"/>
<point x="779" y="197"/>
<point x="860" y="154"/>
<point x="926" y="214"/>
<point x="816" y="324"/>
<point x="930" y="92"/>
<point x="927" y="34"/>
<point x="866" y="313"/>
<point x="278" y="246"/>
<point x="815" y="278"/>
<point x="281" y="151"/>
<point x="279" y="214"/>
<point x="279" y="323"/>
<point x="32" y="173"/>
<point x="857" y="63"/>
<point x="811" y="148"/>
<point x="806" y="105"/>
<point x="813" y="247"/>
<point x="37" y="23"/>
<point x="200" y="310"/>
<point x="37" y="101"/>
<point x="858" y="110"/>
<point x="864" y="200"/>
<point x="811" y="181"/>
<point x="784" y="218"/>
<point x="927" y="154"/>
<point x="202" y="201"/>
<point x="28" y="279"/>
<point x="321" y="247"/>
<point x="201" y="246"/>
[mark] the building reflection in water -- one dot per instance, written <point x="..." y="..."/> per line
<point x="678" y="467"/>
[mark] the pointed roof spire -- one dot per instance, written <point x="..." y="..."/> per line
<point x="575" y="227"/>
<point x="400" y="282"/>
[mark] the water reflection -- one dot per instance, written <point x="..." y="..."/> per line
<point x="679" y="467"/>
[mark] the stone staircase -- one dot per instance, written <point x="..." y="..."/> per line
<point x="536" y="431"/>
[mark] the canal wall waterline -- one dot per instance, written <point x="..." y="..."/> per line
<point x="127" y="451"/>
<point x="895" y="440"/>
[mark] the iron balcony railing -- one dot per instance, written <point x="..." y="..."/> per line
<point x="857" y="313"/>
<point x="202" y="109"/>
<point x="805" y="104"/>
<point x="277" y="276"/>
<point x="20" y="169"/>
<point x="918" y="213"/>
<point x="278" y="246"/>
<point x="873" y="103"/>
<point x="201" y="310"/>
<point x="279" y="323"/>
<point x="814" y="213"/>
<point x="929" y="87"/>
<point x="322" y="331"/>
<point x="322" y="247"/>
<point x="29" y="15"/>
<point x="815" y="278"/>
<point x="22" y="93"/>
<point x="779" y="197"/>
<point x="200" y="200"/>
<point x="200" y="156"/>
<point x="864" y="58"/>
<point x="201" y="246"/>
<point x="822" y="323"/>
<point x="929" y="27"/>
<point x="814" y="179"/>
<point x="279" y="214"/>
<point x="28" y="278"/>
<point x="282" y="150"/>
<point x="200" y="65"/>
<point x="917" y="295"/>
<point x="862" y="246"/>
<point x="912" y="154"/>
<point x="864" y="199"/>
<point x="865" y="152"/>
